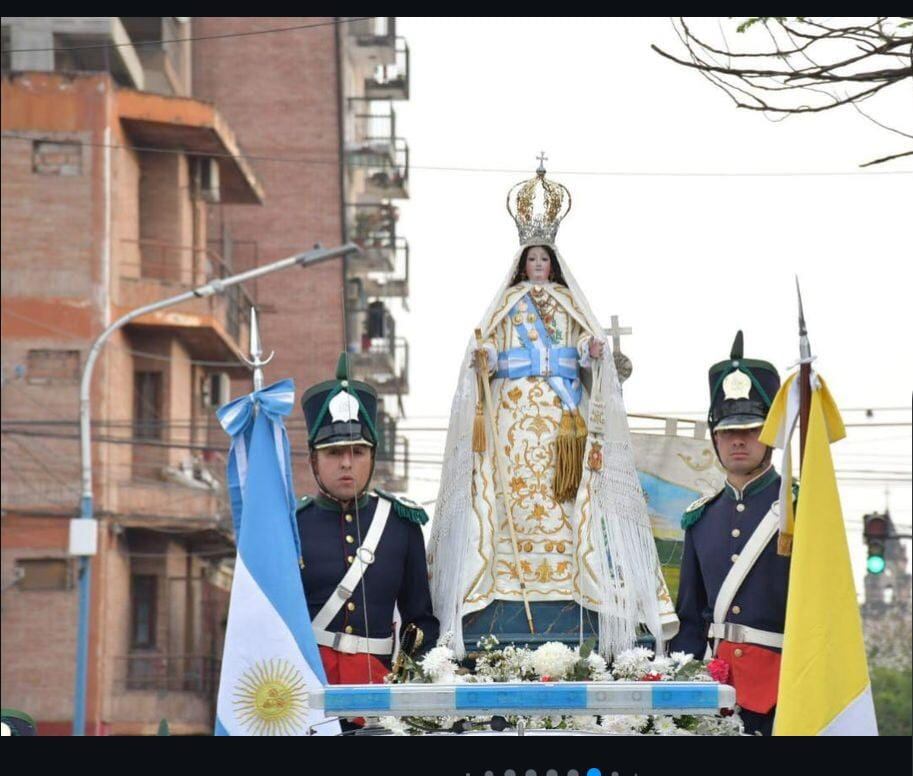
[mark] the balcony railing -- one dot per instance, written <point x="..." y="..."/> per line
<point x="385" y="163"/>
<point x="172" y="266"/>
<point x="384" y="363"/>
<point x="375" y="39"/>
<point x="167" y="673"/>
<point x="391" y="82"/>
<point x="392" y="469"/>
<point x="373" y="228"/>
<point x="372" y="127"/>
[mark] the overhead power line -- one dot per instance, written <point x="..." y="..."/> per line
<point x="455" y="168"/>
<point x="163" y="41"/>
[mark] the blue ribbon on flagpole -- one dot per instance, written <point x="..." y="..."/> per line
<point x="237" y="419"/>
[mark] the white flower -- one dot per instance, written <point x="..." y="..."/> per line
<point x="395" y="725"/>
<point x="596" y="663"/>
<point x="553" y="659"/>
<point x="720" y="726"/>
<point x="439" y="666"/>
<point x="588" y="724"/>
<point x="681" y="659"/>
<point x="664" y="726"/>
<point x="663" y="665"/>
<point x="632" y="663"/>
<point x="624" y="724"/>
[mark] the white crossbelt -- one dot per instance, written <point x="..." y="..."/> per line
<point x="349" y="642"/>
<point x="730" y="631"/>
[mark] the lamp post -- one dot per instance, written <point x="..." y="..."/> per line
<point x="84" y="530"/>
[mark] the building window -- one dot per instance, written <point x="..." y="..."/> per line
<point x="56" y="158"/>
<point x="44" y="574"/>
<point x="143" y="610"/>
<point x="147" y="405"/>
<point x="57" y="366"/>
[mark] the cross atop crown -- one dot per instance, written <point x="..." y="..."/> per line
<point x="542" y="160"/>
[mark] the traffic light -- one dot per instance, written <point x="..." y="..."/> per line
<point x="875" y="531"/>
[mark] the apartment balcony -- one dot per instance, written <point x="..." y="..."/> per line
<point x="384" y="363"/>
<point x="384" y="162"/>
<point x="213" y="328"/>
<point x="373" y="228"/>
<point x="73" y="44"/>
<point x="391" y="82"/>
<point x="392" y="284"/>
<point x="167" y="673"/>
<point x="391" y="470"/>
<point x="374" y="39"/>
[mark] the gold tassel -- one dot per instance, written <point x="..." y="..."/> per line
<point x="570" y="446"/>
<point x="478" y="430"/>
<point x="785" y="544"/>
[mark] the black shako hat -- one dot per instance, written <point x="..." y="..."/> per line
<point x="741" y="390"/>
<point x="341" y="411"/>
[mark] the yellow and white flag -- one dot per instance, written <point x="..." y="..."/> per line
<point x="824" y="680"/>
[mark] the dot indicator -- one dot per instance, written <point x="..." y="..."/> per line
<point x="594" y="772"/>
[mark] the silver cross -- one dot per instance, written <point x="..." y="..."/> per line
<point x="623" y="364"/>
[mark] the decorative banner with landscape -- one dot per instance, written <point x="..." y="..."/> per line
<point x="674" y="471"/>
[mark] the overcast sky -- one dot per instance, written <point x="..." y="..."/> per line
<point x="686" y="260"/>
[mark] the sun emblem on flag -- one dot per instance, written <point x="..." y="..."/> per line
<point x="271" y="699"/>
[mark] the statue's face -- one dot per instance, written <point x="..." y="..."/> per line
<point x="538" y="264"/>
<point x="740" y="450"/>
<point x="344" y="470"/>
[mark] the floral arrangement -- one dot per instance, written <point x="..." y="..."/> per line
<point x="557" y="662"/>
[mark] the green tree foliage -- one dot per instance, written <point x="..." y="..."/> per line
<point x="893" y="693"/>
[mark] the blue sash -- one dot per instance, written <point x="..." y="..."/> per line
<point x="539" y="357"/>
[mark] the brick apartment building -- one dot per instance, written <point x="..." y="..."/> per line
<point x="121" y="185"/>
<point x="314" y="108"/>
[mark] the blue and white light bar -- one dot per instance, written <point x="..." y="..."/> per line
<point x="528" y="698"/>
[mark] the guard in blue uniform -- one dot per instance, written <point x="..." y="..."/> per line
<point x="363" y="552"/>
<point x="732" y="589"/>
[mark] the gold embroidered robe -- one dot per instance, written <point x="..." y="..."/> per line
<point x="527" y="415"/>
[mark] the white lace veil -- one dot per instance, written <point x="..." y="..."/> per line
<point x="625" y="559"/>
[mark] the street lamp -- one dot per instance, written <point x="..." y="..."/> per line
<point x="84" y="530"/>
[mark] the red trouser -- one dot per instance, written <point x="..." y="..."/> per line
<point x="754" y="672"/>
<point x="343" y="668"/>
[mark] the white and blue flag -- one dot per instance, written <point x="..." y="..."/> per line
<point x="270" y="663"/>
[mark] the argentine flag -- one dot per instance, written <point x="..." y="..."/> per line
<point x="270" y="663"/>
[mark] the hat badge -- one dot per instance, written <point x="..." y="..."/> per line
<point x="737" y="385"/>
<point x="343" y="407"/>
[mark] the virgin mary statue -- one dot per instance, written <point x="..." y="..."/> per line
<point x="540" y="523"/>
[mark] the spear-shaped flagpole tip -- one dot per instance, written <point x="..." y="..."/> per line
<point x="256" y="362"/>
<point x="805" y="350"/>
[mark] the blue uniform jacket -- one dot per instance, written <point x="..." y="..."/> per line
<point x="720" y="531"/>
<point x="399" y="574"/>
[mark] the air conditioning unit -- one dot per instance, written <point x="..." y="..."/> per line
<point x="206" y="179"/>
<point x="216" y="389"/>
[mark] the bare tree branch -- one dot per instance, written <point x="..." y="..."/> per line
<point x="833" y="64"/>
<point x="887" y="158"/>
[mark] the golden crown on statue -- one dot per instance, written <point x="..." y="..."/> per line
<point x="538" y="206"/>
